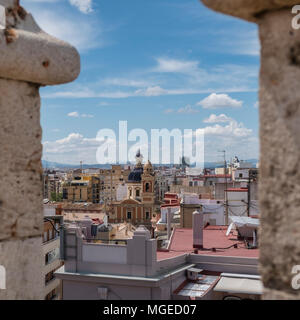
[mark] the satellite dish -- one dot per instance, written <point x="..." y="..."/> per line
<point x="229" y="229"/>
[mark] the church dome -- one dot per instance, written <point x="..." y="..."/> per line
<point x="136" y="174"/>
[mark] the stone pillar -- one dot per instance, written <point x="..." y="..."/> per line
<point x="279" y="99"/>
<point x="29" y="58"/>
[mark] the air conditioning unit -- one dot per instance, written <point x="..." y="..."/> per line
<point x="245" y="226"/>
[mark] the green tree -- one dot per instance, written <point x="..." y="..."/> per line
<point x="57" y="197"/>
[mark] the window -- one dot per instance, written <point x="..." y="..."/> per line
<point x="147" y="187"/>
<point x="240" y="175"/>
<point x="129" y="215"/>
<point x="52" y="256"/>
<point x="137" y="193"/>
<point x="130" y="192"/>
<point x="52" y="295"/>
<point x="147" y="215"/>
<point x="49" y="276"/>
<point x="45" y="236"/>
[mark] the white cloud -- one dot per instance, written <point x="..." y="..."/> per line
<point x="173" y="65"/>
<point x="215" y="101"/>
<point x="72" y="149"/>
<point x="188" y="110"/>
<point x="85" y="6"/>
<point x="233" y="129"/>
<point x="75" y="114"/>
<point x="123" y="82"/>
<point x="184" y="110"/>
<point x="213" y="118"/>
<point x="84" y="92"/>
<point x="168" y="77"/>
<point x="83" y="32"/>
<point x="151" y="91"/>
<point x="232" y="136"/>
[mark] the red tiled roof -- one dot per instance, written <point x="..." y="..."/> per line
<point x="171" y="195"/>
<point x="213" y="237"/>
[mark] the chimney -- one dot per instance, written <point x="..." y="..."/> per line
<point x="169" y="218"/>
<point x="58" y="210"/>
<point x="198" y="230"/>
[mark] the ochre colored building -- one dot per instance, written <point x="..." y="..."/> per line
<point x="82" y="189"/>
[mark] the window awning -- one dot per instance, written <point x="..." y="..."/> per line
<point x="239" y="285"/>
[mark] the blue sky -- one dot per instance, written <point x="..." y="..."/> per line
<point x="157" y="64"/>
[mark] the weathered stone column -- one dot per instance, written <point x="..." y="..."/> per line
<point x="29" y="58"/>
<point x="279" y="97"/>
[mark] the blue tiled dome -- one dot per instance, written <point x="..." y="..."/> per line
<point x="136" y="175"/>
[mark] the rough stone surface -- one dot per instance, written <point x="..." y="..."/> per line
<point x="9" y="3"/>
<point x="21" y="151"/>
<point x="280" y="151"/>
<point x="30" y="54"/>
<point x="248" y="9"/>
<point x="29" y="58"/>
<point x="278" y="295"/>
<point x="23" y="261"/>
<point x="279" y="139"/>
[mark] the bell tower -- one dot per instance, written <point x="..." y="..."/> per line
<point x="148" y="181"/>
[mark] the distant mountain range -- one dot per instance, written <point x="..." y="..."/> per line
<point x="56" y="165"/>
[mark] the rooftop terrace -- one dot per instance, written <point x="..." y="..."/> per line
<point x="213" y="237"/>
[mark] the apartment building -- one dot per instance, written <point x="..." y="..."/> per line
<point x="110" y="180"/>
<point x="51" y="252"/>
<point x="52" y="182"/>
<point x="82" y="189"/>
<point x="199" y="264"/>
<point x="161" y="185"/>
